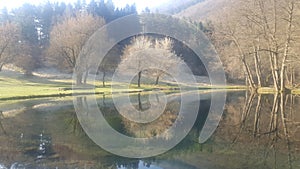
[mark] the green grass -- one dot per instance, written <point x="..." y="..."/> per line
<point x="229" y="87"/>
<point x="17" y="86"/>
<point x="14" y="86"/>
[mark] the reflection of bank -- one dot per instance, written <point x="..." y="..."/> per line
<point x="278" y="114"/>
<point x="1" y="126"/>
<point x="63" y="147"/>
<point x="131" y="129"/>
<point x="160" y="124"/>
<point x="28" y="139"/>
<point x="267" y="123"/>
<point x="73" y="150"/>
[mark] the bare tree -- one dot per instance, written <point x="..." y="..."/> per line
<point x="10" y="34"/>
<point x="24" y="58"/>
<point x="168" y="61"/>
<point x="69" y="37"/>
<point x="260" y="33"/>
<point x="290" y="10"/>
<point x="146" y="53"/>
<point x="110" y="62"/>
<point x="135" y="56"/>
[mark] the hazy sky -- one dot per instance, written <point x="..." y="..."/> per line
<point x="141" y="4"/>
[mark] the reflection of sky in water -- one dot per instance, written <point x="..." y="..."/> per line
<point x="142" y="166"/>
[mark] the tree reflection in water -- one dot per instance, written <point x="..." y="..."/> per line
<point x="1" y="126"/>
<point x="251" y="129"/>
<point x="257" y="131"/>
<point x="262" y="129"/>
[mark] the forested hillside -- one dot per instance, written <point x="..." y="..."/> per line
<point x="257" y="40"/>
<point x="208" y="9"/>
<point x="176" y="6"/>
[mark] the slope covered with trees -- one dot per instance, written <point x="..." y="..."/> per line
<point x="176" y="6"/>
<point x="259" y="37"/>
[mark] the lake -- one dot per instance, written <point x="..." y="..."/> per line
<point x="255" y="131"/>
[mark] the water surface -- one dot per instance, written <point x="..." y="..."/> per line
<point x="255" y="132"/>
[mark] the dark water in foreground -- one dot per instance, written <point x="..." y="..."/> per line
<point x="254" y="132"/>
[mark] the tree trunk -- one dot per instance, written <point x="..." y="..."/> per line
<point x="79" y="78"/>
<point x="140" y="102"/>
<point x="257" y="67"/>
<point x="1" y="66"/>
<point x="157" y="80"/>
<point x="274" y="114"/>
<point x="293" y="76"/>
<point x="282" y="79"/>
<point x="246" y="81"/>
<point x="287" y="75"/>
<point x="103" y="78"/>
<point x="245" y="64"/>
<point x="286" y="128"/>
<point x="103" y="100"/>
<point x="86" y="76"/>
<point x="274" y="70"/>
<point x="249" y="74"/>
<point x="245" y="114"/>
<point x="287" y="46"/>
<point x="139" y="78"/>
<point x="257" y="116"/>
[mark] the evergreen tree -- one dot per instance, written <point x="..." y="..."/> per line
<point x="45" y="23"/>
<point x="4" y="16"/>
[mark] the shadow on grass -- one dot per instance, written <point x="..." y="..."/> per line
<point x="45" y="81"/>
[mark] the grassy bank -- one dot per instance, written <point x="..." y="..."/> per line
<point x="21" y="87"/>
<point x="17" y="86"/>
